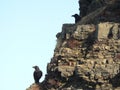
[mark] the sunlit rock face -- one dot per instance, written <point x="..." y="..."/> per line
<point x="87" y="54"/>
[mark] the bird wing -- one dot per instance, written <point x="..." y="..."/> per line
<point x="37" y="75"/>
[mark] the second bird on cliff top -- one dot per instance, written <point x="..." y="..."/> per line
<point x="77" y="17"/>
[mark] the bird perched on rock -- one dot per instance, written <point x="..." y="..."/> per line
<point x="37" y="74"/>
<point x="77" y="17"/>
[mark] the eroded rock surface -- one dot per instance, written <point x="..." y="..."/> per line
<point x="89" y="57"/>
<point x="87" y="54"/>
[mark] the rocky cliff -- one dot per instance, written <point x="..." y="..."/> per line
<point x="87" y="54"/>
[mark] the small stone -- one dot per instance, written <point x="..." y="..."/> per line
<point x="107" y="47"/>
<point x="100" y="55"/>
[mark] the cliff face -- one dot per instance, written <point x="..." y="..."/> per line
<point x="87" y="54"/>
<point x="96" y="11"/>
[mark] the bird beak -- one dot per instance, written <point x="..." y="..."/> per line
<point x="33" y="67"/>
<point x="72" y="16"/>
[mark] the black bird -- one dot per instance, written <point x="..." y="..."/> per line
<point x="77" y="17"/>
<point x="37" y="74"/>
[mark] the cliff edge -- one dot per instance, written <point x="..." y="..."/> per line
<point x="87" y="54"/>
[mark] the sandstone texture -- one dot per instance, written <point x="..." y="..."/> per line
<point x="35" y="87"/>
<point x="87" y="54"/>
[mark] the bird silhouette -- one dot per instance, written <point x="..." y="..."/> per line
<point x="37" y="74"/>
<point x="77" y="17"/>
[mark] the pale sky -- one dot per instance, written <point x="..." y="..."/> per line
<point x="28" y="31"/>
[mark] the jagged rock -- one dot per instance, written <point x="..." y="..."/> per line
<point x="83" y="31"/>
<point x="66" y="71"/>
<point x="87" y="54"/>
<point x="105" y="29"/>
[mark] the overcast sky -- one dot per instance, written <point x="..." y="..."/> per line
<point x="27" y="37"/>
